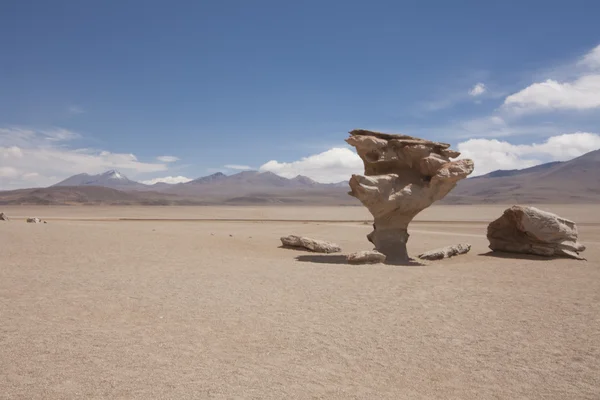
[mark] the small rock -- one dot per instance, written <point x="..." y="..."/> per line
<point x="3" y="217"/>
<point x="318" y="246"/>
<point x="446" y="252"/>
<point x="34" y="220"/>
<point x="366" y="257"/>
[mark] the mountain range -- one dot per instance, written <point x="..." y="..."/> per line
<point x="574" y="181"/>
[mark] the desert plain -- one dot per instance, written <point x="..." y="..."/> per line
<point x="203" y="303"/>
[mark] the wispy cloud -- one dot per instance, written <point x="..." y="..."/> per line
<point x="167" y="159"/>
<point x="237" y="167"/>
<point x="74" y="109"/>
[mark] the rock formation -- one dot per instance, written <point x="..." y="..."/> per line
<point x="529" y="230"/>
<point x="318" y="246"/>
<point x="3" y="217"/>
<point x="34" y="220"/>
<point x="446" y="252"/>
<point x="403" y="176"/>
<point x="366" y="257"/>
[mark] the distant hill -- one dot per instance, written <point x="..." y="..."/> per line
<point x="248" y="187"/>
<point x="111" y="179"/>
<point x="66" y="195"/>
<point x="249" y="183"/>
<point x="574" y="181"/>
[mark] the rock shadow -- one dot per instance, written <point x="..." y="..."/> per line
<point x="323" y="258"/>
<point x="518" y="256"/>
<point x="341" y="259"/>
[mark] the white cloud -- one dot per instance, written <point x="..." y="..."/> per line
<point x="168" y="179"/>
<point x="39" y="158"/>
<point x="579" y="93"/>
<point x="237" y="167"/>
<point x="592" y="59"/>
<point x="167" y="159"/>
<point x="477" y="90"/>
<point x="491" y="154"/>
<point x="334" y="165"/>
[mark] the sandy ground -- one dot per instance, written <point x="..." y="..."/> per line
<point x="92" y="307"/>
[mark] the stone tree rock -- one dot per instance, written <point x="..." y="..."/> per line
<point x="318" y="246"/>
<point x="403" y="176"/>
<point x="529" y="230"/>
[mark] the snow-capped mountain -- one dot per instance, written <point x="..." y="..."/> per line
<point x="112" y="179"/>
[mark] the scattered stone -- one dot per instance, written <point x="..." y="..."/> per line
<point x="3" y="217"/>
<point x="366" y="257"/>
<point x="318" y="246"/>
<point x="34" y="220"/>
<point x="446" y="252"/>
<point x="529" y="230"/>
<point x="403" y="176"/>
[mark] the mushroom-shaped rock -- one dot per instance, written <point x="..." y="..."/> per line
<point x="446" y="252"/>
<point x="366" y="257"/>
<point x="3" y="217"/>
<point x="318" y="246"/>
<point x="529" y="230"/>
<point x="34" y="220"/>
<point x="403" y="176"/>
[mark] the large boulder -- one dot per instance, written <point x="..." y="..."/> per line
<point x="446" y="252"/>
<point x="403" y="176"/>
<point x="318" y="246"/>
<point x="529" y="230"/>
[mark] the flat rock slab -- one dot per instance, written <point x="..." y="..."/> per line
<point x="446" y="252"/>
<point x="315" y="245"/>
<point x="366" y="257"/>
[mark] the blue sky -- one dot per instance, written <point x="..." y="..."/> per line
<point x="183" y="89"/>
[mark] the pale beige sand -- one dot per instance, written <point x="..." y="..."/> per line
<point x="182" y="310"/>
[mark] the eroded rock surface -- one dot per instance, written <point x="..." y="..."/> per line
<point x="529" y="230"/>
<point x="366" y="257"/>
<point x="446" y="252"/>
<point x="403" y="176"/>
<point x="318" y="246"/>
